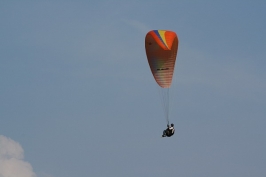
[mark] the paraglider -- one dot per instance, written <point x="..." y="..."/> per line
<point x="169" y="131"/>
<point x="161" y="50"/>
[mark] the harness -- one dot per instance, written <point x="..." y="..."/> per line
<point x="169" y="132"/>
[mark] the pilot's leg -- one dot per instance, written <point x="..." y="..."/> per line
<point x="164" y="134"/>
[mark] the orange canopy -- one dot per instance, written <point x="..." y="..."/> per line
<point x="161" y="50"/>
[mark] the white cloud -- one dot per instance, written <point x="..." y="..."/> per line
<point x="11" y="160"/>
<point x="138" y="25"/>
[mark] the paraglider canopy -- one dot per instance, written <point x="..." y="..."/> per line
<point x="161" y="50"/>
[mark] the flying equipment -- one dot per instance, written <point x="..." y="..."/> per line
<point x="161" y="50"/>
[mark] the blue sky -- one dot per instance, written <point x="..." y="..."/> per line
<point x="77" y="97"/>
